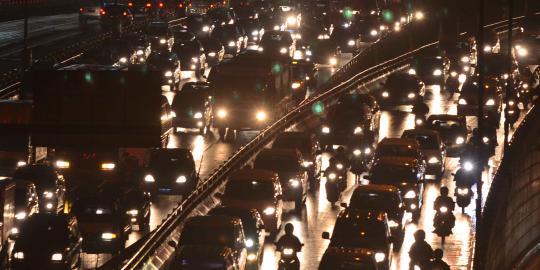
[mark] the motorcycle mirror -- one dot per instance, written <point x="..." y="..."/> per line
<point x="344" y="205"/>
<point x="326" y="235"/>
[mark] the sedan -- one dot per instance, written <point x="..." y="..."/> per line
<point x="277" y="43"/>
<point x="401" y="89"/>
<point x="432" y="148"/>
<point x="214" y="50"/>
<point x="170" y="171"/>
<point x="192" y="56"/>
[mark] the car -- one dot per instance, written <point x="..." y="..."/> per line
<point x="200" y="25"/>
<point x="203" y="257"/>
<point x="103" y="222"/>
<point x="325" y="53"/>
<point x="278" y="43"/>
<point x="288" y="164"/>
<point x="170" y="171"/>
<point x="312" y="31"/>
<point x="308" y="145"/>
<point x="468" y="98"/>
<point x="527" y="48"/>
<point x="432" y="148"/>
<point x="492" y="42"/>
<point x="113" y="52"/>
<point x="26" y="202"/>
<point x="230" y="37"/>
<point x="358" y="228"/>
<point x="368" y="28"/>
<point x="183" y="34"/>
<point x="192" y="56"/>
<point x="160" y="35"/>
<point x="398" y="147"/>
<point x="304" y="77"/>
<point x="256" y="189"/>
<point x="352" y="122"/>
<point x="47" y="241"/>
<point x="273" y="21"/>
<point x="253" y="229"/>
<point x="50" y="184"/>
<point x="169" y="65"/>
<point x="407" y="174"/>
<point x="222" y="16"/>
<point x="254" y="30"/>
<point x="213" y="49"/>
<point x="216" y="231"/>
<point x="401" y="88"/>
<point x="113" y="14"/>
<point x="500" y="68"/>
<point x="432" y="70"/>
<point x="339" y="258"/>
<point x="245" y="12"/>
<point x="386" y="198"/>
<point x="452" y="129"/>
<point x="346" y="38"/>
<point x="192" y="107"/>
<point x="141" y="45"/>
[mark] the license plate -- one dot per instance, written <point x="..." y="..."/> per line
<point x="165" y="190"/>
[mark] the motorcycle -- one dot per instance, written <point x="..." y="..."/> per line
<point x="361" y="157"/>
<point x="334" y="184"/>
<point x="289" y="259"/>
<point x="464" y="179"/>
<point x="443" y="222"/>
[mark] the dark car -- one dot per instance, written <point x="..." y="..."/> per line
<point x="369" y="29"/>
<point x="222" y="15"/>
<point x="192" y="56"/>
<point x="308" y="145"/>
<point x="401" y="89"/>
<point x="192" y="107"/>
<point x="115" y="14"/>
<point x="273" y="21"/>
<point x="432" y="148"/>
<point x="142" y="46"/>
<point x="431" y="70"/>
<point x="358" y="228"/>
<point x="47" y="241"/>
<point x="183" y="35"/>
<point x="230" y="37"/>
<point x="203" y="257"/>
<point x="468" y="98"/>
<point x="452" y="129"/>
<point x="277" y="43"/>
<point x="310" y="32"/>
<point x="253" y="28"/>
<point x="159" y="35"/>
<point x="304" y="78"/>
<point x="324" y="52"/>
<point x="50" y="184"/>
<point x="200" y="25"/>
<point x="213" y="49"/>
<point x="114" y="52"/>
<point x="346" y="38"/>
<point x="170" y="171"/>
<point x="288" y="163"/>
<point x="338" y="258"/>
<point x="26" y="202"/>
<point x="352" y="122"/>
<point x="253" y="229"/>
<point x="169" y="65"/>
<point x="384" y="198"/>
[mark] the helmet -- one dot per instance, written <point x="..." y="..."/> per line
<point x="419" y="235"/>
<point x="289" y="228"/>
<point x="438" y="253"/>
<point x="341" y="150"/>
<point x="444" y="191"/>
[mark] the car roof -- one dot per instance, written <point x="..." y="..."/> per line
<point x="376" y="189"/>
<point x="398" y="141"/>
<point x="213" y="221"/>
<point x="249" y="174"/>
<point x="234" y="211"/>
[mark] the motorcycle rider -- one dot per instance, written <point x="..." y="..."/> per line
<point x="341" y="157"/>
<point x="437" y="263"/>
<point x="289" y="240"/>
<point x="444" y="200"/>
<point x="420" y="252"/>
<point x="420" y="111"/>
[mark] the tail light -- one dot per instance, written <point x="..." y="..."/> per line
<point x="81" y="9"/>
<point x="180" y="5"/>
<point x="102" y="12"/>
<point x="130" y="4"/>
<point x="161" y="5"/>
<point x="148" y="5"/>
<point x="125" y="13"/>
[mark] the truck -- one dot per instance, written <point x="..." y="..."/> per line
<point x="250" y="90"/>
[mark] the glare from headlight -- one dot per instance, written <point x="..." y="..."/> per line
<point x="276" y="27"/>
<point x="291" y="20"/>
<point x="308" y="52"/>
<point x="367" y="151"/>
<point x="465" y="59"/>
<point x="212" y="54"/>
<point x="168" y="73"/>
<point x="48" y="194"/>
<point x="357" y="152"/>
<point x="437" y="72"/>
<point x="485" y="139"/>
<point x="443" y="209"/>
<point x="307" y="164"/>
<point x="433" y="160"/>
<point x="20" y="215"/>
<point x="296" y="85"/>
<point x="133" y="212"/>
<point x="198" y="115"/>
<point x="357" y="130"/>
<point x="392" y="224"/>
<point x="149" y="178"/>
<point x="403" y="19"/>
<point x="21" y="163"/>
<point x="222" y="113"/>
<point x="108" y="236"/>
<point x="467" y="165"/>
<point x="249" y="243"/>
<point x="411" y="95"/>
<point x="351" y="43"/>
<point x="325" y="130"/>
<point x="123" y="60"/>
<point x="108" y="166"/>
<point x="511" y="103"/>
<point x="294" y="183"/>
<point x="453" y="73"/>
<point x="490" y="102"/>
<point x="339" y="166"/>
<point x="140" y="52"/>
<point x="522" y="52"/>
<point x="162" y="41"/>
<point x="373" y="32"/>
<point x="283" y="50"/>
<point x="231" y="44"/>
<point x="462" y="191"/>
<point x="487" y="48"/>
<point x="205" y="28"/>
<point x="288" y="251"/>
<point x="18" y="255"/>
<point x="56" y="257"/>
<point x="298" y="55"/>
<point x="323" y="36"/>
<point x="410" y="194"/>
<point x="385" y="94"/>
<point x="460" y="140"/>
<point x="419" y="121"/>
<point x="195" y="60"/>
<point x="462" y="78"/>
<point x="181" y="179"/>
<point x="251" y="257"/>
<point x="332" y="176"/>
<point x="419" y="15"/>
<point x="412" y="71"/>
<point x="269" y="211"/>
<point x="62" y="164"/>
<point x="462" y="101"/>
<point x="379" y="257"/>
<point x="261" y="116"/>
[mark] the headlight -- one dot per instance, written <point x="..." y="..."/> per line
<point x="57" y="257"/>
<point x="411" y="95"/>
<point x="222" y="113"/>
<point x="260" y="49"/>
<point x="419" y="15"/>
<point x="294" y="183"/>
<point x="62" y="164"/>
<point x="412" y="206"/>
<point x="453" y="73"/>
<point x="351" y="43"/>
<point x="298" y="55"/>
<point x="21" y="163"/>
<point x="173" y="114"/>
<point x="511" y="103"/>
<point x="308" y="53"/>
<point x="410" y="194"/>
<point x="276" y="27"/>
<point x="392" y="224"/>
<point x="123" y="60"/>
<point x="288" y="251"/>
<point x="283" y="50"/>
<point x="525" y="86"/>
<point x="291" y="20"/>
<point x="485" y="139"/>
<point x="198" y="115"/>
<point x="522" y="52"/>
<point x="133" y="212"/>
<point x="14" y="230"/>
<point x="181" y="179"/>
<point x="140" y="52"/>
<point x="443" y="209"/>
<point x="490" y="102"/>
<point x="487" y="48"/>
<point x="460" y="140"/>
<point x="465" y="59"/>
<point x="403" y="19"/>
<point x="231" y="44"/>
<point x="261" y="116"/>
<point x="357" y="152"/>
<point x="357" y="130"/>
<point x="325" y="130"/>
<point x="462" y="101"/>
<point x="19" y="255"/>
<point x="367" y="151"/>
<point x="48" y="194"/>
<point x="467" y="165"/>
<point x="307" y="164"/>
<point x="195" y="60"/>
<point x="255" y="33"/>
<point x="379" y="257"/>
<point x="323" y="36"/>
<point x="20" y="215"/>
<point x="385" y="94"/>
<point x="108" y="166"/>
<point x="269" y="211"/>
<point x="168" y="73"/>
<point x="149" y="178"/>
<point x="332" y="176"/>
<point x="463" y="191"/>
<point x="205" y="28"/>
<point x="108" y="236"/>
<point x="249" y="243"/>
<point x="433" y="160"/>
<point x="339" y="166"/>
<point x="333" y="61"/>
<point x="251" y="257"/>
<point x="49" y="206"/>
<point x="212" y="54"/>
<point x="437" y="72"/>
<point x="162" y="41"/>
<point x="462" y="78"/>
<point x="296" y="85"/>
<point x="412" y="71"/>
<point x="382" y="27"/>
<point x="419" y="121"/>
<point x="373" y="32"/>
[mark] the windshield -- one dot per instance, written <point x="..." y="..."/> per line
<point x="169" y="160"/>
<point x="387" y="174"/>
<point x="276" y="37"/>
<point x="396" y="151"/>
<point x="425" y="142"/>
<point x="354" y="233"/>
<point x="375" y="201"/>
<point x="226" y="32"/>
<point x="207" y="235"/>
<point x="157" y="30"/>
<point x="277" y="163"/>
<point x="254" y="190"/>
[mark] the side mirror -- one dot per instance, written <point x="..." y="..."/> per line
<point x="326" y="235"/>
<point x="344" y="205"/>
<point x="172" y="244"/>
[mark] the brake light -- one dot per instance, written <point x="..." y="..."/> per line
<point x="148" y="5"/>
<point x="130" y="4"/>
<point x="81" y="9"/>
<point x="125" y="13"/>
<point x="102" y="11"/>
<point x="160" y="5"/>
